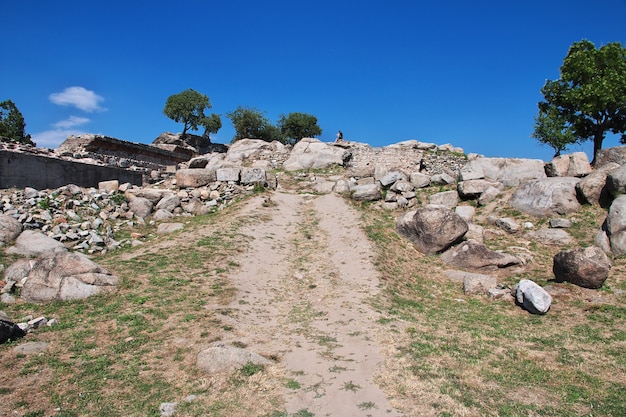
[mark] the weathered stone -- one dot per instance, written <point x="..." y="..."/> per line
<point x="419" y="180"/>
<point x="473" y="255"/>
<point x="449" y="199"/>
<point x="161" y="214"/>
<point x="367" y="192"/>
<point x="253" y="176"/>
<point x="616" y="225"/>
<point x="432" y="228"/>
<point x="555" y="237"/>
<point x="593" y="188"/>
<point x="140" y="206"/>
<point x="442" y="179"/>
<point x="508" y="224"/>
<point x="586" y="267"/>
<point x="311" y="153"/>
<point x="532" y="297"/>
<point x="392" y="177"/>
<point x="572" y="165"/>
<point x="490" y="194"/>
<point x="402" y="186"/>
<point x="196" y="207"/>
<point x="164" y="228"/>
<point x="508" y="171"/>
<point x="224" y="358"/>
<point x="9" y="229"/>
<point x="168" y="203"/>
<point x="478" y="283"/>
<point x="616" y="181"/>
<point x="66" y="276"/>
<point x="474" y="188"/>
<point x="228" y="174"/>
<point x="109" y="187"/>
<point x="35" y="243"/>
<point x="466" y="212"/>
<point x="616" y="154"/>
<point x="193" y="178"/>
<point x="547" y="197"/>
<point x="245" y="149"/>
<point x="560" y="223"/>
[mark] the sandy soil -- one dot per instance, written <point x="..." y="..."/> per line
<point x="303" y="287"/>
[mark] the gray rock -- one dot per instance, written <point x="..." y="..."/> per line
<point x="442" y="179"/>
<point x="403" y="186"/>
<point x="488" y="195"/>
<point x="253" y="176"/>
<point x="572" y="165"/>
<point x="367" y="192"/>
<point x="193" y="178"/>
<point x="419" y="180"/>
<point x="161" y="214"/>
<point x="392" y="177"/>
<point x="141" y="207"/>
<point x="311" y="153"/>
<point x="478" y="283"/>
<point x="560" y="223"/>
<point x="31" y="348"/>
<point x="509" y="171"/>
<point x="474" y="255"/>
<point x="168" y="203"/>
<point x="554" y="237"/>
<point x="616" y="181"/>
<point x="616" y="154"/>
<point x="449" y="199"/>
<point x="616" y="225"/>
<point x="168" y="409"/>
<point x="9" y="229"/>
<point x="593" y="188"/>
<point x="508" y="224"/>
<point x="245" y="149"/>
<point x="228" y="174"/>
<point x="547" y="197"/>
<point x="466" y="212"/>
<point x="532" y="297"/>
<point x="35" y="243"/>
<point x="66" y="276"/>
<point x="224" y="358"/>
<point x="472" y="189"/>
<point x="432" y="228"/>
<point x="586" y="267"/>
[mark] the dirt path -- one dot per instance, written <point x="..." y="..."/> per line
<point x="303" y="289"/>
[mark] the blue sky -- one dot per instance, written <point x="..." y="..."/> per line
<point x="467" y="73"/>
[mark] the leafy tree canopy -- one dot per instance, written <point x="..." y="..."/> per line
<point x="188" y="108"/>
<point x="251" y="123"/>
<point x="12" y="123"/>
<point x="587" y="101"/>
<point x="296" y="126"/>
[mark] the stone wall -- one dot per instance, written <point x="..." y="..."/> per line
<point x="21" y="170"/>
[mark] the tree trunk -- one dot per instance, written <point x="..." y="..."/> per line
<point x="597" y="145"/>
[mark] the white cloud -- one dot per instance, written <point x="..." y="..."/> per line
<point x="53" y="138"/>
<point x="71" y="122"/>
<point x="80" y="97"/>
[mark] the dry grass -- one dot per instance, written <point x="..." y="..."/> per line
<point x="448" y="354"/>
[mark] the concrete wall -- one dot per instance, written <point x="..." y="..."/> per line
<point x="21" y="170"/>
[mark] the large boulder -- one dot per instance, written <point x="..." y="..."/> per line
<point x="616" y="180"/>
<point x="616" y="154"/>
<point x="310" y="153"/>
<point x="253" y="176"/>
<point x="432" y="229"/>
<point x="246" y="149"/>
<point x="616" y="225"/>
<point x="472" y="189"/>
<point x="586" y="267"/>
<point x="141" y="207"/>
<point x="593" y="188"/>
<point x="547" y="197"/>
<point x="508" y="171"/>
<point x="10" y="228"/>
<point x="169" y="203"/>
<point x="193" y="178"/>
<point x="34" y="243"/>
<point x="573" y="165"/>
<point x="474" y="255"/>
<point x="367" y="192"/>
<point x="66" y="276"/>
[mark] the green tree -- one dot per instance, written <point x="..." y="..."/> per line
<point x="212" y="124"/>
<point x="188" y="108"/>
<point x="554" y="131"/>
<point x="12" y="125"/>
<point x="296" y="126"/>
<point x="589" y="98"/>
<point x="251" y="123"/>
